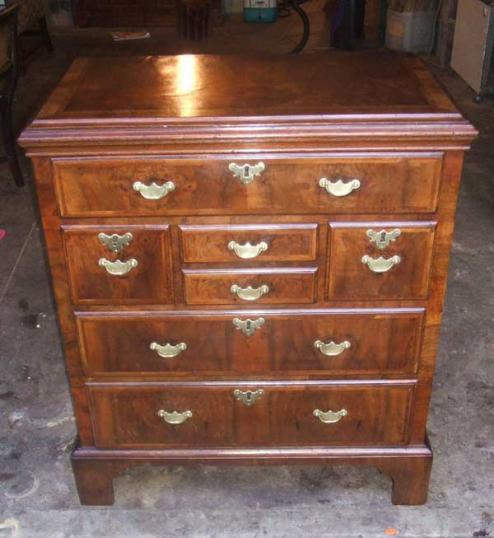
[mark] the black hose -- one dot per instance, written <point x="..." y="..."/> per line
<point x="294" y="4"/>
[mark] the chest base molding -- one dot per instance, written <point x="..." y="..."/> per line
<point x="408" y="467"/>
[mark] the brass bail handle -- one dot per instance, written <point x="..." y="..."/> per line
<point x="118" y="267"/>
<point x="174" y="417"/>
<point x="381" y="264"/>
<point x="330" y="417"/>
<point x="153" y="190"/>
<point x="332" y="349"/>
<point x="247" y="251"/>
<point x="167" y="350"/>
<point x="249" y="293"/>
<point x="339" y="187"/>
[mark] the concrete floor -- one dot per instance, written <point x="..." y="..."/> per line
<point x="37" y="492"/>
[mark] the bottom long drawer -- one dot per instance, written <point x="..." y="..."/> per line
<point x="258" y="414"/>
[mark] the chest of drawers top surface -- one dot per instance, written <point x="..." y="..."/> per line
<point x="208" y="98"/>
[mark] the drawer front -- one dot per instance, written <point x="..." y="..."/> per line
<point x="250" y="243"/>
<point x="250" y="287"/>
<point x="212" y="343"/>
<point x="380" y="261"/>
<point x="119" y="265"/>
<point x="224" y="415"/>
<point x="206" y="186"/>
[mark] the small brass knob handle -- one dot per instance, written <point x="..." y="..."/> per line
<point x="247" y="251"/>
<point x="168" y="351"/>
<point x="248" y="397"/>
<point x="330" y="417"/>
<point x="118" y="267"/>
<point x="246" y="172"/>
<point x="380" y="265"/>
<point x="331" y="349"/>
<point x="153" y="191"/>
<point x="248" y="326"/>
<point x="339" y="187"/>
<point x="249" y="293"/>
<point x="174" y="417"/>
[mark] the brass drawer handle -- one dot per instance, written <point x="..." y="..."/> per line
<point x="331" y="349"/>
<point x="330" y="417"/>
<point x="153" y="191"/>
<point x="115" y="242"/>
<point x="247" y="251"/>
<point x="382" y="238"/>
<point x="339" y="188"/>
<point x="174" y="417"/>
<point x="246" y="172"/>
<point x="380" y="265"/>
<point x="249" y="293"/>
<point x="118" y="268"/>
<point x="168" y="351"/>
<point x="248" y="326"/>
<point x="248" y="397"/>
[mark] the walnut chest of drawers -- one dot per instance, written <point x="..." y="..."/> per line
<point x="249" y="258"/>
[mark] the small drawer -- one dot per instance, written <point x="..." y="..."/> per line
<point x="239" y="184"/>
<point x="337" y="342"/>
<point x="118" y="265"/>
<point x="380" y="260"/>
<point x="258" y="414"/>
<point x="250" y="287"/>
<point x="250" y="243"/>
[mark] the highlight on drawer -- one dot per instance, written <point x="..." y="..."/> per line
<point x="202" y="185"/>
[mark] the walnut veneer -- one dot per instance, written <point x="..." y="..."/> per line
<point x="249" y="257"/>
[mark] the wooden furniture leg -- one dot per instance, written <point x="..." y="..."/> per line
<point x="410" y="478"/>
<point x="94" y="480"/>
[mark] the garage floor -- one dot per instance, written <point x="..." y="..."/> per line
<point x="37" y="492"/>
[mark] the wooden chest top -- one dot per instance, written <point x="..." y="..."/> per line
<point x="160" y="97"/>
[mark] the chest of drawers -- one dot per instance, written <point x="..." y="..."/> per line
<point x="249" y="258"/>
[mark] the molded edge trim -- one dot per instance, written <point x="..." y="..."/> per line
<point x="254" y="454"/>
<point x="458" y="131"/>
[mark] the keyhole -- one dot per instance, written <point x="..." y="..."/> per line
<point x="246" y="171"/>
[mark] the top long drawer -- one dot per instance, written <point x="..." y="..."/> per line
<point x="134" y="186"/>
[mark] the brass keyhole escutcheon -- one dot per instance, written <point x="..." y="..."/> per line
<point x="248" y="326"/>
<point x="246" y="172"/>
<point x="383" y="238"/>
<point x="115" y="242"/>
<point x="248" y="397"/>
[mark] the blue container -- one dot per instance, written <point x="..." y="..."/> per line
<point x="260" y="10"/>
